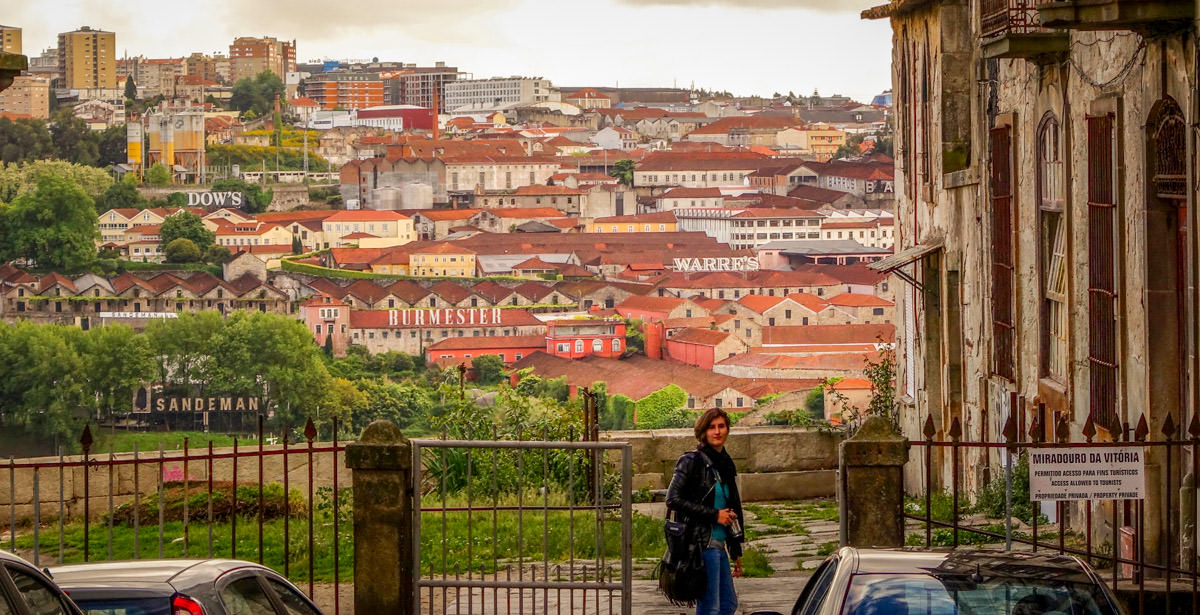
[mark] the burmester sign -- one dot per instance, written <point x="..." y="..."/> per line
<point x="724" y="263"/>
<point x="444" y="318"/>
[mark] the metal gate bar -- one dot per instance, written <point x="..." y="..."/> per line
<point x="596" y="578"/>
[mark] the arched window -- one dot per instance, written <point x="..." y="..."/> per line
<point x="597" y="345"/>
<point x="1052" y="250"/>
<point x="578" y="345"/>
<point x="616" y="344"/>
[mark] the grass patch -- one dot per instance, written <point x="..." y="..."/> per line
<point x="944" y="537"/>
<point x="148" y="442"/>
<point x="482" y="540"/>
<point x="755" y="563"/>
<point x="776" y="520"/>
<point x="826" y="510"/>
<point x="827" y="548"/>
<point x="941" y="503"/>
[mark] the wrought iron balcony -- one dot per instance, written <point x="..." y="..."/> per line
<point x="1010" y="29"/>
<point x="1116" y="14"/>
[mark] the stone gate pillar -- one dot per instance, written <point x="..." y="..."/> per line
<point x="871" y="486"/>
<point x="381" y="464"/>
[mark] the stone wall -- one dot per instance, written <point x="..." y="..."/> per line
<point x="773" y="462"/>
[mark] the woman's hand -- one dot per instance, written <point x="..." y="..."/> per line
<point x="737" y="567"/>
<point x="725" y="515"/>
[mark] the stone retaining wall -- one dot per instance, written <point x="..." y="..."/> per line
<point x="773" y="462"/>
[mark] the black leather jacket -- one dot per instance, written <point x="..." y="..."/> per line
<point x="691" y="494"/>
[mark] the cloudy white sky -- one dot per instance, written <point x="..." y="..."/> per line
<point x="744" y="46"/>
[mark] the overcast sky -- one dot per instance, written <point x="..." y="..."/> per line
<point x="744" y="46"/>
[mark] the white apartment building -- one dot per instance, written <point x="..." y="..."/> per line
<point x="498" y="91"/>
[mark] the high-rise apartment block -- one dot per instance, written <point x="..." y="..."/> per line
<point x="414" y="85"/>
<point x="204" y="66"/>
<point x="10" y="39"/>
<point x="249" y="56"/>
<point x="345" y="90"/>
<point x="28" y="95"/>
<point x="497" y="92"/>
<point x="87" y="59"/>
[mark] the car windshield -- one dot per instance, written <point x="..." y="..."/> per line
<point x="920" y="594"/>
<point x="125" y="606"/>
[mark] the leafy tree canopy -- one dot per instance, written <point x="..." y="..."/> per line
<point x="120" y="195"/>
<point x="54" y="226"/>
<point x="19" y="178"/>
<point x="257" y="94"/>
<point x="623" y="171"/>
<point x="254" y="199"/>
<point x="181" y="250"/>
<point x="186" y="225"/>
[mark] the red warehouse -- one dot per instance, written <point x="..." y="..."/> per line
<point x="575" y="339"/>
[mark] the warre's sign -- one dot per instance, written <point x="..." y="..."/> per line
<point x="214" y="199"/>
<point x="450" y="317"/>
<point x="723" y="263"/>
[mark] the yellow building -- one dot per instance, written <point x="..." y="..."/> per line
<point x="28" y="95"/>
<point x="818" y="140"/>
<point x="87" y="59"/>
<point x="442" y="260"/>
<point x="659" y="222"/>
<point x="10" y="39"/>
<point x="367" y="228"/>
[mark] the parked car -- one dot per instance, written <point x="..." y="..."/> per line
<point x="26" y="590"/>
<point x="895" y="582"/>
<point x="181" y="587"/>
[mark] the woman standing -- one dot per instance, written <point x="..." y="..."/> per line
<point x="704" y="492"/>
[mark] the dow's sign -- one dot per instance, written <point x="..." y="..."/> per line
<point x="214" y="199"/>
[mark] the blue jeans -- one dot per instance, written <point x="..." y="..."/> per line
<point x="720" y="598"/>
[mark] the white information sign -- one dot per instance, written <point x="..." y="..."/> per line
<point x="1102" y="473"/>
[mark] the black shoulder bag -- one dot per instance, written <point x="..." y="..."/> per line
<point x="681" y="575"/>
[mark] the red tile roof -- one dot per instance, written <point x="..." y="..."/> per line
<point x="365" y="215"/>
<point x="828" y="334"/>
<point x="859" y="300"/>
<point x="760" y="303"/>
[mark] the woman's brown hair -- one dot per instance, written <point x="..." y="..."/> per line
<point x="706" y="419"/>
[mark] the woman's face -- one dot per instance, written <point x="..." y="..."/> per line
<point x="717" y="432"/>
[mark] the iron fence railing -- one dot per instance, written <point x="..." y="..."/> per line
<point x="1128" y="541"/>
<point x="530" y="521"/>
<point x="198" y="503"/>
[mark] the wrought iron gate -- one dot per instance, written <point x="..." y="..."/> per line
<point x="576" y="497"/>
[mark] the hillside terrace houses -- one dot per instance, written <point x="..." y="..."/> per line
<point x="366" y="228"/>
<point x="114" y="222"/>
<point x="535" y="296"/>
<point x="744" y="131"/>
<point x="820" y="280"/>
<point x="701" y="170"/>
<point x="90" y="300"/>
<point x="507" y="219"/>
<point x="874" y="232"/>
<point x="869" y="180"/>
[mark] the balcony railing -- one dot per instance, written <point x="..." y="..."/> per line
<point x="1115" y="14"/>
<point x="1008" y="17"/>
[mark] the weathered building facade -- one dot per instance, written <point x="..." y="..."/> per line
<point x="1045" y="207"/>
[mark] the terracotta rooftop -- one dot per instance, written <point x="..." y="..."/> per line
<point x="488" y="342"/>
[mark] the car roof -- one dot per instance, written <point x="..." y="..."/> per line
<point x="968" y="561"/>
<point x="142" y="571"/>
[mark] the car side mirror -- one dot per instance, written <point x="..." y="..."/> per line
<point x="46" y="571"/>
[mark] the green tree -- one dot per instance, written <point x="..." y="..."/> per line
<point x="297" y="246"/>
<point x="343" y="401"/>
<point x="45" y="388"/>
<point x="72" y="139"/>
<point x="635" y="339"/>
<point x="177" y="199"/>
<point x="182" y="250"/>
<point x="272" y="357"/>
<point x="130" y="89"/>
<point x="256" y="94"/>
<point x="54" y="226"/>
<point x="120" y="195"/>
<point x="111" y="146"/>
<point x="181" y="346"/>
<point x="187" y="225"/>
<point x="623" y="171"/>
<point x="217" y="255"/>
<point x="158" y="175"/>
<point x="116" y="361"/>
<point x="489" y="369"/>
<point x="24" y="140"/>
<point x="663" y="408"/>
<point x="17" y="179"/>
